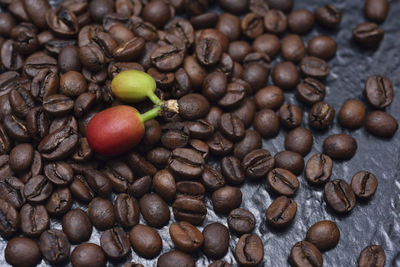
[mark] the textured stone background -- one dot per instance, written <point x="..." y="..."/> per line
<point x="373" y="222"/>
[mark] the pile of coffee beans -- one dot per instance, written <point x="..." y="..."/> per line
<point x="56" y="70"/>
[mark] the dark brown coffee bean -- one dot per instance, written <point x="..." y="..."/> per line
<point x="321" y="115"/>
<point x="214" y="85"/>
<point x="59" y="173"/>
<point x="98" y="182"/>
<point x="212" y="179"/>
<point x="293" y="48"/>
<point x="283" y="182"/>
<point x="200" y="147"/>
<point x="205" y="20"/>
<point x="39" y="62"/>
<point x="270" y="97"/>
<point x="88" y="253"/>
<point x="189" y="209"/>
<point x="37" y="189"/>
<point x="126" y="210"/>
<point x="241" y="221"/>
<point x="310" y="91"/>
<point x="54" y="246"/>
<point x="339" y="196"/>
<point x="376" y="10"/>
<point x="352" y="114"/>
<point x="101" y="213"/>
<point x="252" y="140"/>
<point x="258" y="163"/>
<point x="252" y="25"/>
<point x="219" y="145"/>
<point x="11" y="59"/>
<point x="167" y="57"/>
<point x="268" y="44"/>
<point x="299" y="140"/>
<point x="232" y="127"/>
<point x="290" y="115"/>
<point x="340" y="146"/>
<point x="129" y="50"/>
<point x="10" y="219"/>
<point x="58" y="105"/>
<point x="81" y="190"/>
<point x="322" y="47"/>
<point x="319" y="169"/>
<point x="186" y="163"/>
<point x="300" y="21"/>
<point x="68" y="59"/>
<point x="44" y="84"/>
<point x="191" y="189"/>
<point x="367" y="34"/>
<point x="164" y="185"/>
<point x="266" y="122"/>
<point x="22" y="251"/>
<point x="314" y="67"/>
<point x="372" y="255"/>
<point x="249" y="250"/>
<point x="16" y="128"/>
<point x="378" y="91"/>
<point x="21" y="101"/>
<point x="145" y="241"/>
<point x="232" y="170"/>
<point x="8" y="81"/>
<point x="234" y="6"/>
<point x="21" y="157"/>
<point x="34" y="220"/>
<point x="175" y="139"/>
<point x="216" y="240"/>
<point x="139" y="165"/>
<point x="119" y="174"/>
<point x="59" y="202"/>
<point x="115" y="243"/>
<point x="246" y="111"/>
<point x="281" y="212"/>
<point x="304" y="253"/>
<point x="185" y="236"/>
<point x="12" y="191"/>
<point x="140" y="186"/>
<point x="7" y="23"/>
<point x="234" y="96"/>
<point x="5" y="141"/>
<point x="324" y="235"/>
<point x="37" y="123"/>
<point x="328" y="15"/>
<point x="208" y="51"/>
<point x="364" y="184"/>
<point x="289" y="160"/>
<point x="158" y="156"/>
<point x="381" y="124"/>
<point x="229" y="25"/>
<point x="5" y="170"/>
<point x="193" y="106"/>
<point x="62" y="21"/>
<point x="226" y="199"/>
<point x="275" y="21"/>
<point x="154" y="210"/>
<point x="72" y="84"/>
<point x="285" y="75"/>
<point x="175" y="258"/>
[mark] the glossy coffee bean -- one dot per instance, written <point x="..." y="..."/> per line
<point x="324" y="235"/>
<point x="281" y="212"/>
<point x="175" y="258"/>
<point x="34" y="220"/>
<point x="77" y="226"/>
<point x="310" y="91"/>
<point x="219" y="145"/>
<point x="22" y="251"/>
<point x="364" y="184"/>
<point x="368" y="34"/>
<point x="238" y="50"/>
<point x="126" y="210"/>
<point x="246" y="111"/>
<point x="101" y="213"/>
<point x="115" y="243"/>
<point x="249" y="250"/>
<point x="252" y="25"/>
<point x="193" y="106"/>
<point x="232" y="170"/>
<point x="372" y="255"/>
<point x="12" y="191"/>
<point x="21" y="157"/>
<point x="352" y="114"/>
<point x="258" y="163"/>
<point x="185" y="236"/>
<point x="241" y="221"/>
<point x="256" y="75"/>
<point x="59" y="173"/>
<point x="293" y="48"/>
<point x="119" y="174"/>
<point x="54" y="246"/>
<point x="200" y="129"/>
<point x="214" y="85"/>
<point x="275" y="21"/>
<point x="216" y="240"/>
<point x="379" y="91"/>
<point x="139" y="165"/>
<point x="289" y="160"/>
<point x="16" y="128"/>
<point x="145" y="241"/>
<point x="81" y="190"/>
<point x="252" y="140"/>
<point x="226" y="199"/>
<point x="283" y="182"/>
<point x="300" y="21"/>
<point x="376" y="10"/>
<point x="154" y="210"/>
<point x="321" y="115"/>
<point x="340" y="146"/>
<point x="304" y="253"/>
<point x="328" y="15"/>
<point x="299" y="140"/>
<point x="234" y="96"/>
<point x="314" y="67"/>
<point x="266" y="122"/>
<point x="60" y="202"/>
<point x="319" y="169"/>
<point x="37" y="189"/>
<point x="211" y="178"/>
<point x="270" y="97"/>
<point x="98" y="182"/>
<point x="190" y="189"/>
<point x="158" y="157"/>
<point x="88" y="254"/>
<point x="37" y="123"/>
<point x="186" y="163"/>
<point x="190" y="209"/>
<point x="268" y="44"/>
<point x="174" y="139"/>
<point x="340" y="196"/>
<point x="21" y="101"/>
<point x="285" y="75"/>
<point x="232" y="127"/>
<point x="140" y="187"/>
<point x="164" y="185"/>
<point x="322" y="47"/>
<point x="380" y="123"/>
<point x="11" y="219"/>
<point x="290" y="115"/>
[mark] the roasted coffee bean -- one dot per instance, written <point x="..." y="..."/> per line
<point x="39" y="62"/>
<point x="226" y="199"/>
<point x="220" y="263"/>
<point x="200" y="147"/>
<point x="208" y="51"/>
<point x="167" y="58"/>
<point x="190" y="189"/>
<point x="59" y="202"/>
<point x="185" y="236"/>
<point x="246" y="111"/>
<point x="158" y="156"/>
<point x="182" y="29"/>
<point x="232" y="170"/>
<point x="98" y="182"/>
<point x="44" y="84"/>
<point x="266" y="122"/>
<point x="21" y="101"/>
<point x="186" y="163"/>
<point x="12" y="191"/>
<point x="321" y="115"/>
<point x="175" y="258"/>
<point x="126" y="210"/>
<point x="68" y="59"/>
<point x="304" y="253"/>
<point x="92" y="57"/>
<point x="367" y="34"/>
<point x="234" y="96"/>
<point x="34" y="169"/>
<point x="214" y="116"/>
<point x="54" y="246"/>
<point x="73" y="84"/>
<point x="324" y="235"/>
<point x="376" y="10"/>
<point x="352" y="114"/>
<point x="241" y="221"/>
<point x="77" y="226"/>
<point x="257" y="163"/>
<point x="300" y="21"/>
<point x="189" y="209"/>
<point x="310" y="91"/>
<point x="154" y="210"/>
<point x="268" y="44"/>
<point x="275" y="21"/>
<point x="319" y="169"/>
<point x="83" y="151"/>
<point x="139" y="165"/>
<point x="17" y="9"/>
<point x="174" y="139"/>
<point x="62" y="21"/>
<point x="37" y="123"/>
<point x="252" y="140"/>
<point x="339" y="196"/>
<point x="145" y="241"/>
<point x="119" y="174"/>
<point x="281" y="212"/>
<point x="364" y="184"/>
<point x="216" y="240"/>
<point x="81" y="190"/>
<point x="193" y="106"/>
<point x="372" y="255"/>
<point x="249" y="250"/>
<point x="7" y="23"/>
<point x="164" y="185"/>
<point x="283" y="182"/>
<point x="378" y="91"/>
<point x="195" y="71"/>
<point x="256" y="75"/>
<point x="293" y="48"/>
<point x="58" y="105"/>
<point x="205" y="20"/>
<point x="290" y="115"/>
<point x="234" y="6"/>
<point x="11" y="59"/>
<point x="289" y="160"/>
<point x="130" y="50"/>
<point x="322" y="47"/>
<point x="34" y="220"/>
<point x="252" y="25"/>
<point x="16" y="128"/>
<point x="8" y="81"/>
<point x="229" y="25"/>
<point x="88" y="253"/>
<point x="140" y="186"/>
<point x="299" y="140"/>
<point x="270" y="97"/>
<point x="101" y="213"/>
<point x="285" y="75"/>
<point x="37" y="189"/>
<point x="152" y="134"/>
<point x="5" y="170"/>
<point x="54" y="46"/>
<point x="115" y="243"/>
<point x="10" y="219"/>
<point x="314" y="67"/>
<point x="214" y="85"/>
<point x="59" y="173"/>
<point x="22" y="251"/>
<point x="182" y="85"/>
<point x="212" y="179"/>
<point x="381" y="124"/>
<point x="58" y="144"/>
<point x="21" y="157"/>
<point x="340" y="146"/>
<point x="163" y="80"/>
<point x="328" y="15"/>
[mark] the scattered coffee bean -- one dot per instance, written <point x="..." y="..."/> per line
<point x="115" y="243"/>
<point x="324" y="235"/>
<point x="226" y="199"/>
<point x="376" y="10"/>
<point x="216" y="240"/>
<point x="249" y="250"/>
<point x="281" y="212"/>
<point x="88" y="254"/>
<point x="77" y="226"/>
<point x="328" y="15"/>
<point x="340" y="196"/>
<point x="379" y="91"/>
<point x="310" y="91"/>
<point x="54" y="246"/>
<point x="290" y="115"/>
<point x="283" y="182"/>
<point x="321" y="115"/>
<point x="372" y="255"/>
<point x="352" y="114"/>
<point x="22" y="251"/>
<point x="340" y="146"/>
<point x="364" y="184"/>
<point x="299" y="140"/>
<point x="289" y="160"/>
<point x="145" y="241"/>
<point x="368" y="34"/>
<point x="304" y="253"/>
<point x="185" y="236"/>
<point x="241" y="221"/>
<point x="380" y="123"/>
<point x="319" y="169"/>
<point x="175" y="258"/>
<point x="154" y="210"/>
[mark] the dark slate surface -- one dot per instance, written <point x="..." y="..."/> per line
<point x="373" y="222"/>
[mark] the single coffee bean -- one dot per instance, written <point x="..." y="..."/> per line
<point x="368" y="34"/>
<point x="10" y="219"/>
<point x="54" y="246"/>
<point x="372" y="255"/>
<point x="324" y="235"/>
<point x="21" y="101"/>
<point x="88" y="253"/>
<point x="310" y="91"/>
<point x="58" y="105"/>
<point x="258" y="163"/>
<point x="214" y="85"/>
<point x="174" y="139"/>
<point x="60" y="202"/>
<point x="321" y="115"/>
<point x="186" y="163"/>
<point x="201" y="147"/>
<point x="299" y="140"/>
<point x="376" y="10"/>
<point x="175" y="258"/>
<point x="293" y="48"/>
<point x="252" y="25"/>
<point x="200" y="129"/>
<point x="205" y="20"/>
<point x="249" y="250"/>
<point x="290" y="115"/>
<point x="11" y="59"/>
<point x="322" y="47"/>
<point x="58" y="123"/>
<point x="314" y="67"/>
<point x="266" y="122"/>
<point x="185" y="236"/>
<point x="16" y="128"/>
<point x="232" y="127"/>
<point x="289" y="160"/>
<point x="241" y="221"/>
<point x="283" y="182"/>
<point x="158" y="157"/>
<point x="34" y="220"/>
<point x="126" y="210"/>
<point x="191" y="189"/>
<point x="339" y="196"/>
<point x="193" y="106"/>
<point x="21" y="157"/>
<point x="226" y="199"/>
<point x="77" y="226"/>
<point x="281" y="212"/>
<point x="219" y="145"/>
<point x="119" y="174"/>
<point x="139" y="165"/>
<point x="154" y="210"/>
<point x="256" y="75"/>
<point x="208" y="51"/>
<point x="37" y="123"/>
<point x="232" y="170"/>
<point x="270" y="97"/>
<point x="238" y="50"/>
<point x="300" y="21"/>
<point x="275" y="21"/>
<point x="73" y="84"/>
<point x="101" y="213"/>
<point x="379" y="91"/>
<point x="37" y="189"/>
<point x="190" y="209"/>
<point x="59" y="173"/>
<point x="285" y="75"/>
<point x="319" y="169"/>
<point x="251" y="141"/>
<point x="81" y="190"/>
<point x="216" y="240"/>
<point x="167" y="58"/>
<point x="212" y="179"/>
<point x="98" y="182"/>
<point x="380" y="123"/>
<point x="328" y="15"/>
<point x="340" y="146"/>
<point x="140" y="187"/>
<point x="364" y="184"/>
<point x="164" y="185"/>
<point x="145" y="241"/>
<point x="268" y="44"/>
<point x="246" y="111"/>
<point x="352" y="114"/>
<point x="12" y="191"/>
<point x="115" y="243"/>
<point x="220" y="263"/>
<point x="234" y="96"/>
<point x="304" y="253"/>
<point x="22" y="251"/>
<point x="5" y="141"/>
<point x="68" y="59"/>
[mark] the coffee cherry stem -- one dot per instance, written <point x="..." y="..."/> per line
<point x="151" y="114"/>
<point x="154" y="98"/>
